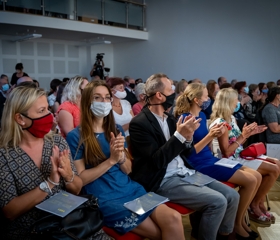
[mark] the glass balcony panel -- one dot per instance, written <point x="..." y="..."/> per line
<point x="135" y="15"/>
<point x="24" y="4"/>
<point x="61" y="8"/>
<point x="115" y="11"/>
<point x="89" y="10"/>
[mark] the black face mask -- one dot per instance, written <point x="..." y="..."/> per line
<point x="132" y="85"/>
<point x="168" y="101"/>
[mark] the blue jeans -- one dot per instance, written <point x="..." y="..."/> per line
<point x="217" y="202"/>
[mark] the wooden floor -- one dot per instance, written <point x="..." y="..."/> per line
<point x="274" y="200"/>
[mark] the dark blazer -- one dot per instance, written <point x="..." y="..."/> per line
<point x="130" y="96"/>
<point x="150" y="150"/>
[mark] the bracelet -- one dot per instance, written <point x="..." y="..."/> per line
<point x="66" y="183"/>
<point x="53" y="183"/>
<point x="238" y="143"/>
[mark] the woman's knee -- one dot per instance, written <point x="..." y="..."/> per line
<point x="172" y="217"/>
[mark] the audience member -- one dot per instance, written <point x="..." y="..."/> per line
<point x="18" y="74"/>
<point x="25" y="84"/>
<point x="138" y="80"/>
<point x="68" y="113"/>
<point x="226" y="85"/>
<point x="221" y="81"/>
<point x="53" y="93"/>
<point x="233" y="82"/>
<point x="180" y="87"/>
<point x="254" y="104"/>
<point x="5" y="77"/>
<point x="278" y="82"/>
<point x="24" y="79"/>
<point x="159" y="146"/>
<point x="213" y="89"/>
<point x="243" y="91"/>
<point x="196" y="80"/>
<point x="34" y="164"/>
<point x="264" y="90"/>
<point x="58" y="96"/>
<point x="121" y="108"/>
<point x="37" y="83"/>
<point x="101" y="158"/>
<point x="191" y="102"/>
<point x="231" y="144"/>
<point x="140" y="95"/>
<point x="129" y="88"/>
<point x="65" y="80"/>
<point x="4" y="87"/>
<point x="271" y="85"/>
<point x="271" y="115"/>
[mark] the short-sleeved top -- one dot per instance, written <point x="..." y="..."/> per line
<point x="19" y="175"/>
<point x="74" y="110"/>
<point x="271" y="114"/>
<point x="233" y="133"/>
<point x="15" y="78"/>
<point x="51" y="100"/>
<point x="125" y="117"/>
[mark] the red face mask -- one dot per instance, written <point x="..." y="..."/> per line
<point x="40" y="126"/>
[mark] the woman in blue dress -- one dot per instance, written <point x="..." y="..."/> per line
<point x="102" y="161"/>
<point x="192" y="101"/>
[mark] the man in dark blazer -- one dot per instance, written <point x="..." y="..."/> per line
<point x="130" y="95"/>
<point x="160" y="146"/>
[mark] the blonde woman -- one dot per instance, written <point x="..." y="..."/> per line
<point x="68" y="113"/>
<point x="191" y="102"/>
<point x="231" y="145"/>
<point x="33" y="164"/>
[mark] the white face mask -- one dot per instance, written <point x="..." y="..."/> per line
<point x="173" y="87"/>
<point x="119" y="94"/>
<point x="101" y="109"/>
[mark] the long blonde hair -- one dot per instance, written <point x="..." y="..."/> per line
<point x="184" y="102"/>
<point x="223" y="107"/>
<point x="20" y="100"/>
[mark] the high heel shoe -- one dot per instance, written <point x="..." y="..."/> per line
<point x="239" y="237"/>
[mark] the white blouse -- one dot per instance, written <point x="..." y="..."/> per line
<point x="125" y="117"/>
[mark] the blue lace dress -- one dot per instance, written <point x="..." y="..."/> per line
<point x="113" y="188"/>
<point x="204" y="160"/>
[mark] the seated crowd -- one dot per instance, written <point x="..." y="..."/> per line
<point x="120" y="138"/>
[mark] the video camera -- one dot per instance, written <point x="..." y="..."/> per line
<point x="99" y="56"/>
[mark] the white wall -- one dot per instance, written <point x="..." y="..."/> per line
<point x="206" y="39"/>
<point x="45" y="59"/>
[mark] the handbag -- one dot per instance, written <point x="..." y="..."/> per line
<point x="80" y="224"/>
<point x="254" y="151"/>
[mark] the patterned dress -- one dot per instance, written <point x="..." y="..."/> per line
<point x="233" y="134"/>
<point x="19" y="175"/>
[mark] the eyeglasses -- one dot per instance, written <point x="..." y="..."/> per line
<point x="102" y="99"/>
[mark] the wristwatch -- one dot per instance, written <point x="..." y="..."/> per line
<point x="44" y="186"/>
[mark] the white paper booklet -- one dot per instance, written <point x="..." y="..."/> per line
<point x="145" y="203"/>
<point x="225" y="162"/>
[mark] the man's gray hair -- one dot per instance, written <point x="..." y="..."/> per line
<point x="139" y="89"/>
<point x="126" y="78"/>
<point x="154" y="84"/>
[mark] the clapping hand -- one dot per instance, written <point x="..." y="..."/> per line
<point x="217" y="130"/>
<point x="64" y="168"/>
<point x="248" y="130"/>
<point x="55" y="175"/>
<point x="117" y="147"/>
<point x="187" y="127"/>
<point x="259" y="129"/>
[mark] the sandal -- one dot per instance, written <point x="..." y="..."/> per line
<point x="263" y="219"/>
<point x="270" y="216"/>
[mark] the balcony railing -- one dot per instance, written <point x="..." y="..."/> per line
<point x="120" y="13"/>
